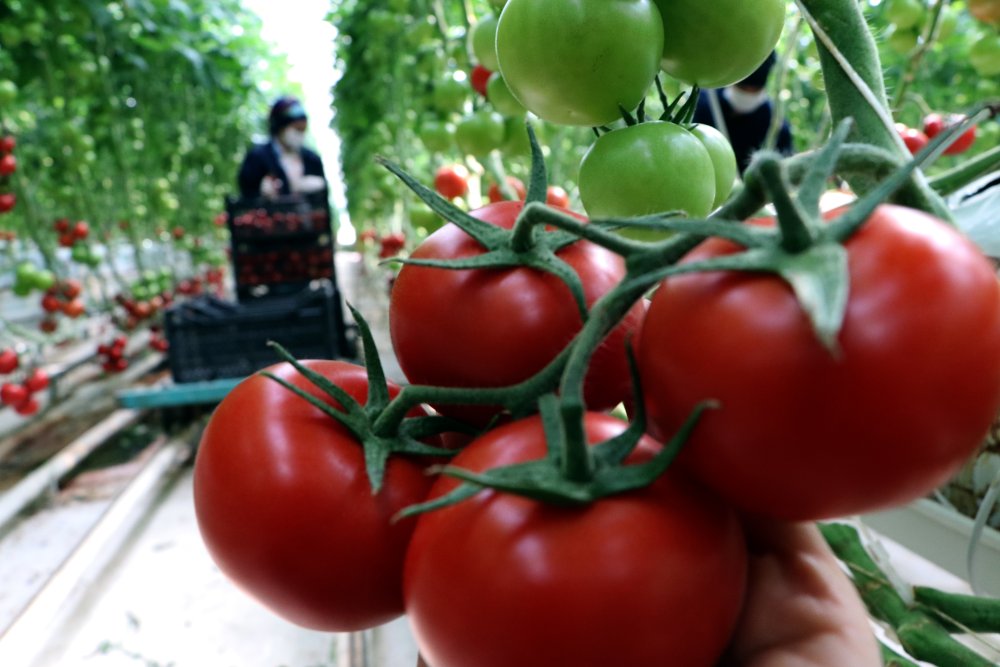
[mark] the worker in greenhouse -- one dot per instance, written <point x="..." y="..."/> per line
<point x="744" y="112"/>
<point x="283" y="166"/>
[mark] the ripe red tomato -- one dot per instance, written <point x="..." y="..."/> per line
<point x="13" y="394"/>
<point x="8" y="361"/>
<point x="556" y="196"/>
<point x="81" y="230"/>
<point x="27" y="408"/>
<point x="478" y="78"/>
<point x="806" y="434"/>
<point x="936" y="123"/>
<point x="652" y="577"/>
<point x="496" y="327"/>
<point x="286" y="510"/>
<point x="50" y="303"/>
<point x="494" y="194"/>
<point x="7" y="201"/>
<point x="7" y="144"/>
<point x="71" y="288"/>
<point x="451" y="181"/>
<point x="37" y="380"/>
<point x="391" y="244"/>
<point x="912" y="137"/>
<point x="74" y="308"/>
<point x="8" y="164"/>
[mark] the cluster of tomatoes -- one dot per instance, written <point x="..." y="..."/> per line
<point x="20" y="395"/>
<point x="112" y="355"/>
<point x="8" y="165"/>
<point x="933" y="125"/>
<point x="261" y="221"/>
<point x="71" y="233"/>
<point x="801" y="429"/>
<point x="62" y="297"/>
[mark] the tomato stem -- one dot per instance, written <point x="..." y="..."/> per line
<point x="796" y="228"/>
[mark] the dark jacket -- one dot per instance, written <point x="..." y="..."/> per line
<point x="746" y="131"/>
<point x="262" y="160"/>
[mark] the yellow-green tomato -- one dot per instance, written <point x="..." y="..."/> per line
<point x="577" y="62"/>
<point x="718" y="43"/>
<point x="723" y="159"/>
<point x="480" y="132"/>
<point x="647" y="168"/>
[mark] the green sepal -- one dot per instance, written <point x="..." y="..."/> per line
<point x="489" y="236"/>
<point x="538" y="183"/>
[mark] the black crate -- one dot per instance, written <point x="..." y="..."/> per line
<point x="278" y="246"/>
<point x="211" y="338"/>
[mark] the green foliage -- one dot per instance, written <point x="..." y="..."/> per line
<point x="135" y="111"/>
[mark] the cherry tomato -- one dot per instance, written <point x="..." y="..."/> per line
<point x="27" y="408"/>
<point x="286" y="510"/>
<point x="37" y="380"/>
<point x="8" y="361"/>
<point x="494" y="194"/>
<point x="984" y="55"/>
<point x="7" y="144"/>
<point x="912" y="137"/>
<point x="749" y="31"/>
<point x="13" y="394"/>
<point x="501" y="98"/>
<point x="803" y="433"/>
<point x="647" y="168"/>
<point x="905" y="13"/>
<point x="7" y="201"/>
<point x="436" y="137"/>
<point x="653" y="577"/>
<point x="556" y="196"/>
<point x="480" y="132"/>
<point x="451" y="181"/>
<point x="723" y="159"/>
<point x="936" y="123"/>
<point x="496" y="327"/>
<point x="576" y="62"/>
<point x="478" y="78"/>
<point x="8" y="164"/>
<point x="483" y="41"/>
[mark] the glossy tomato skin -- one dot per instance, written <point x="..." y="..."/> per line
<point x="805" y="434"/>
<point x="497" y="327"/>
<point x="286" y="510"/>
<point x="643" y="579"/>
<point x="749" y="30"/>
<point x="575" y="62"/>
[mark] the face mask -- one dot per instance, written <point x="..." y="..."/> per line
<point x="293" y="138"/>
<point x="743" y="101"/>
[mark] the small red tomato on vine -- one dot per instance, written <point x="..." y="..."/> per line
<point x="479" y="77"/>
<point x="37" y="380"/>
<point x="7" y="201"/>
<point x="8" y="165"/>
<point x="912" y="137"/>
<point x="451" y="181"/>
<point x="935" y="124"/>
<point x="27" y="408"/>
<point x="557" y="196"/>
<point x="8" y="361"/>
<point x="7" y="143"/>
<point x="12" y="394"/>
<point x="495" y="194"/>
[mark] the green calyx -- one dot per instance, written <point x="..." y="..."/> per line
<point x="526" y="245"/>
<point x="400" y="437"/>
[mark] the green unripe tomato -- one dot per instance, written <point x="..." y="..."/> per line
<point x="948" y="23"/>
<point x="905" y="13"/>
<point x="449" y="95"/>
<point x="723" y="160"/>
<point x="902" y="41"/>
<point x="43" y="280"/>
<point x="479" y="133"/>
<point x="424" y="220"/>
<point x="715" y="44"/>
<point x="8" y="93"/>
<point x="647" y="168"/>
<point x="985" y="55"/>
<point x="483" y="42"/>
<point x="436" y="136"/>
<point x="501" y="98"/>
<point x="576" y="62"/>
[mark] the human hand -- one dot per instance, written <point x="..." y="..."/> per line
<point x="270" y="187"/>
<point x="801" y="610"/>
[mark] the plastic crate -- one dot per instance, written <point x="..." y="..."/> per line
<point x="278" y="246"/>
<point x="211" y="338"/>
